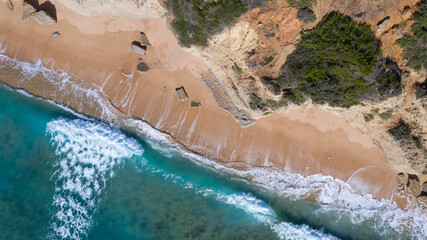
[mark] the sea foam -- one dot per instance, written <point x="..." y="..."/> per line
<point x="334" y="196"/>
<point x="88" y="153"/>
<point x="60" y="85"/>
<point x="247" y="202"/>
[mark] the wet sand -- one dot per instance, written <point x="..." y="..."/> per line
<point x="97" y="49"/>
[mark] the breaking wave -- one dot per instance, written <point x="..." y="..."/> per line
<point x="334" y="197"/>
<point x="249" y="203"/>
<point x="58" y="86"/>
<point x="89" y="152"/>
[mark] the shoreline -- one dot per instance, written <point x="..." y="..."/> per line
<point x="290" y="187"/>
<point x="97" y="52"/>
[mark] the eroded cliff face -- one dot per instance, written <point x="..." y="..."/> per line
<point x="273" y="32"/>
<point x="257" y="47"/>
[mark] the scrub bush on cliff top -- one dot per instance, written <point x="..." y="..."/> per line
<point x="339" y="62"/>
<point x="415" y="46"/>
<point x="197" y="20"/>
<point x="301" y="3"/>
<point x="306" y="15"/>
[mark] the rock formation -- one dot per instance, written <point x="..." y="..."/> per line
<point x="9" y="5"/>
<point x="181" y="94"/>
<point x="144" y="40"/>
<point x="28" y="11"/>
<point x="44" y="18"/>
<point x="383" y="23"/>
<point x="44" y="14"/>
<point x="56" y="34"/>
<point x="138" y="48"/>
<point x="413" y="186"/>
<point x="125" y="74"/>
<point x="194" y="104"/>
<point x="142" y="67"/>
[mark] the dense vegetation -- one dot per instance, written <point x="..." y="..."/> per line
<point x="306" y="15"/>
<point x="415" y="46"/>
<point x="265" y="105"/>
<point x="338" y="62"/>
<point x="402" y="132"/>
<point x="421" y="89"/>
<point x="197" y="20"/>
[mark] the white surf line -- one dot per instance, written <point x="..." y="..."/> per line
<point x="331" y="194"/>
<point x="88" y="154"/>
<point x="250" y="204"/>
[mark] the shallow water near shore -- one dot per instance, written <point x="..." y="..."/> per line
<point x="65" y="176"/>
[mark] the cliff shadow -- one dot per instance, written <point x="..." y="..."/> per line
<point x="49" y="8"/>
<point x="34" y="3"/>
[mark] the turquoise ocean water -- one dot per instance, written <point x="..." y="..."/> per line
<point x="65" y="176"/>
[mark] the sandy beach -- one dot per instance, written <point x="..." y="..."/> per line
<point x="97" y="50"/>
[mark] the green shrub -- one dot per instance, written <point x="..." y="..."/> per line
<point x="256" y="102"/>
<point x="369" y="117"/>
<point x="330" y="59"/>
<point x="334" y="63"/>
<point x="197" y="20"/>
<point x="294" y="95"/>
<point x="386" y="115"/>
<point x="274" y="84"/>
<point x="301" y="3"/>
<point x="421" y="89"/>
<point x="274" y="105"/>
<point x="236" y="69"/>
<point x="375" y="110"/>
<point x="388" y="78"/>
<point x="306" y="15"/>
<point x="403" y="132"/>
<point x="266" y="61"/>
<point x="415" y="46"/>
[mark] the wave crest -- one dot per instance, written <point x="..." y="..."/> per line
<point x="88" y="154"/>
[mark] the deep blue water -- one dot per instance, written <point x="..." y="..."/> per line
<point x="67" y="177"/>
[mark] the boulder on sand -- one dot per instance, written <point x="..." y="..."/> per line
<point x="194" y="104"/>
<point x="28" y="11"/>
<point x="56" y="34"/>
<point x="142" y="67"/>
<point x="45" y="18"/>
<point x="126" y="74"/>
<point x="144" y="40"/>
<point x="9" y="5"/>
<point x="138" y="48"/>
<point x="181" y="94"/>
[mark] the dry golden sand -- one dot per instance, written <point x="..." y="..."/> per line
<point x="97" y="49"/>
